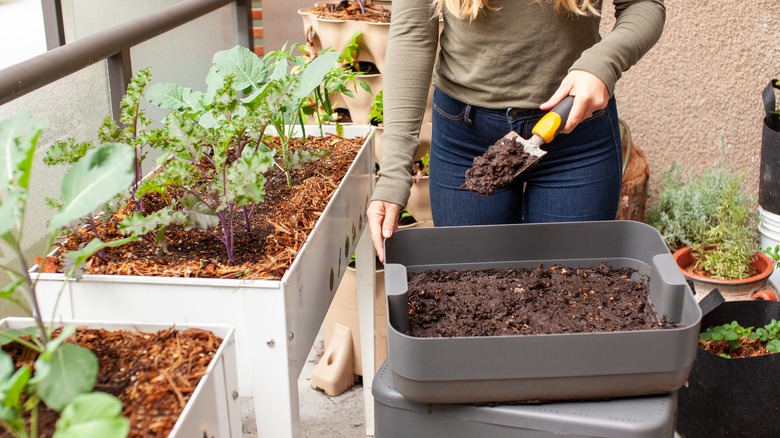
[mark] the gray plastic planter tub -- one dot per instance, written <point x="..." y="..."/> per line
<point x="637" y="417"/>
<point x="579" y="366"/>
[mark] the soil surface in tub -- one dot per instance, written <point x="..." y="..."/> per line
<point x="153" y="374"/>
<point x="350" y="10"/>
<point x="497" y="167"/>
<point x="558" y="299"/>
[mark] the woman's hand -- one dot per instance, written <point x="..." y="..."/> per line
<point x="590" y="95"/>
<point x="382" y="222"/>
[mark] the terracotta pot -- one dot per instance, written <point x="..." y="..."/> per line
<point x="732" y="290"/>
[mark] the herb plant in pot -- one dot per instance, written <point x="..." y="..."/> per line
<point x="710" y="224"/>
<point x="249" y="220"/>
<point x="49" y="369"/>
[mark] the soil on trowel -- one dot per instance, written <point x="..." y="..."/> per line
<point x="495" y="302"/>
<point x="497" y="167"/>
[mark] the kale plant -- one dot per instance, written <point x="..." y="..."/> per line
<point x="221" y="155"/>
<point x="132" y="129"/>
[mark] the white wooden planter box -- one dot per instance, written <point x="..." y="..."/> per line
<point x="276" y="321"/>
<point x="214" y="409"/>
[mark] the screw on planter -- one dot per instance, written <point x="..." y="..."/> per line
<point x="270" y="342"/>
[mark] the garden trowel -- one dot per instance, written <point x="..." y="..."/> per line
<point x="503" y="161"/>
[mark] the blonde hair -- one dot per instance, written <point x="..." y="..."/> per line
<point x="463" y="9"/>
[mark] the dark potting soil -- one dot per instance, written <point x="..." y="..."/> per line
<point x="497" y="167"/>
<point x="495" y="302"/>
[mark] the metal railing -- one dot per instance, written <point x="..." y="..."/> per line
<point x="112" y="45"/>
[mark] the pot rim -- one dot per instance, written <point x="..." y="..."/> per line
<point x="683" y="258"/>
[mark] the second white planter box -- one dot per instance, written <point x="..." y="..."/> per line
<point x="276" y="321"/>
<point x="213" y="409"/>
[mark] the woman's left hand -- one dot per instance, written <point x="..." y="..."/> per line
<point x="590" y="95"/>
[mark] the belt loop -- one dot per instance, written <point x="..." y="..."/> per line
<point x="467" y="115"/>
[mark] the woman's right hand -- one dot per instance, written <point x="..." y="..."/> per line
<point x="382" y="222"/>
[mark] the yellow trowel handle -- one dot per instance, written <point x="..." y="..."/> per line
<point x="549" y="125"/>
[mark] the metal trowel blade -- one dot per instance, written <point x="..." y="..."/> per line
<point x="532" y="147"/>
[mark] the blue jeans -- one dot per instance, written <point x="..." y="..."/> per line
<point x="579" y="179"/>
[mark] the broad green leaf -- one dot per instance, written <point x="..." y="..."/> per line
<point x="15" y="386"/>
<point x="70" y="371"/>
<point x="247" y="68"/>
<point x="10" y="335"/>
<point x="93" y="180"/>
<point x="100" y="428"/>
<point x="6" y="366"/>
<point x="174" y="96"/>
<point x="279" y="71"/>
<point x="314" y="74"/>
<point x="18" y="138"/>
<point x="95" y="414"/>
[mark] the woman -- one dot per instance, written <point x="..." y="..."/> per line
<point x="501" y="65"/>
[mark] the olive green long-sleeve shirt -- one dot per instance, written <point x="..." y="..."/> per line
<point x="513" y="55"/>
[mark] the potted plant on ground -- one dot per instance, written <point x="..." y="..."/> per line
<point x="731" y="389"/>
<point x="710" y="224"/>
<point x="305" y="214"/>
<point x="48" y="371"/>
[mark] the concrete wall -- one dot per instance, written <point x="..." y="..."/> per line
<point x="702" y="81"/>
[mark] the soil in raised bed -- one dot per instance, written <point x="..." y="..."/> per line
<point x="496" y="168"/>
<point x="350" y="10"/>
<point x="279" y="227"/>
<point x="496" y="302"/>
<point x="153" y="374"/>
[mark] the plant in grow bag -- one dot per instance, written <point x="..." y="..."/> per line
<point x="63" y="374"/>
<point x="732" y="340"/>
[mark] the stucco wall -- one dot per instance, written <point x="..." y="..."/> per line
<point x="703" y="80"/>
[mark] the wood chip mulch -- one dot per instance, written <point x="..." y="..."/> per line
<point x="153" y="374"/>
<point x="279" y="228"/>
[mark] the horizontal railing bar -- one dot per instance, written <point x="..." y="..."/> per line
<point x="34" y="73"/>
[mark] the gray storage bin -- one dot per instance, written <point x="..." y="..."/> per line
<point x="641" y="417"/>
<point x="576" y="366"/>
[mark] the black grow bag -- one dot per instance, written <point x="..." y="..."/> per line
<point x="732" y="397"/>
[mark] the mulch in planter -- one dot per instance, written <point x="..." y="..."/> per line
<point x="495" y="302"/>
<point x="153" y="374"/>
<point x="350" y="10"/>
<point x="280" y="226"/>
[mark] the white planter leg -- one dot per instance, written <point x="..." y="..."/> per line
<point x="274" y="382"/>
<point x="364" y="269"/>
